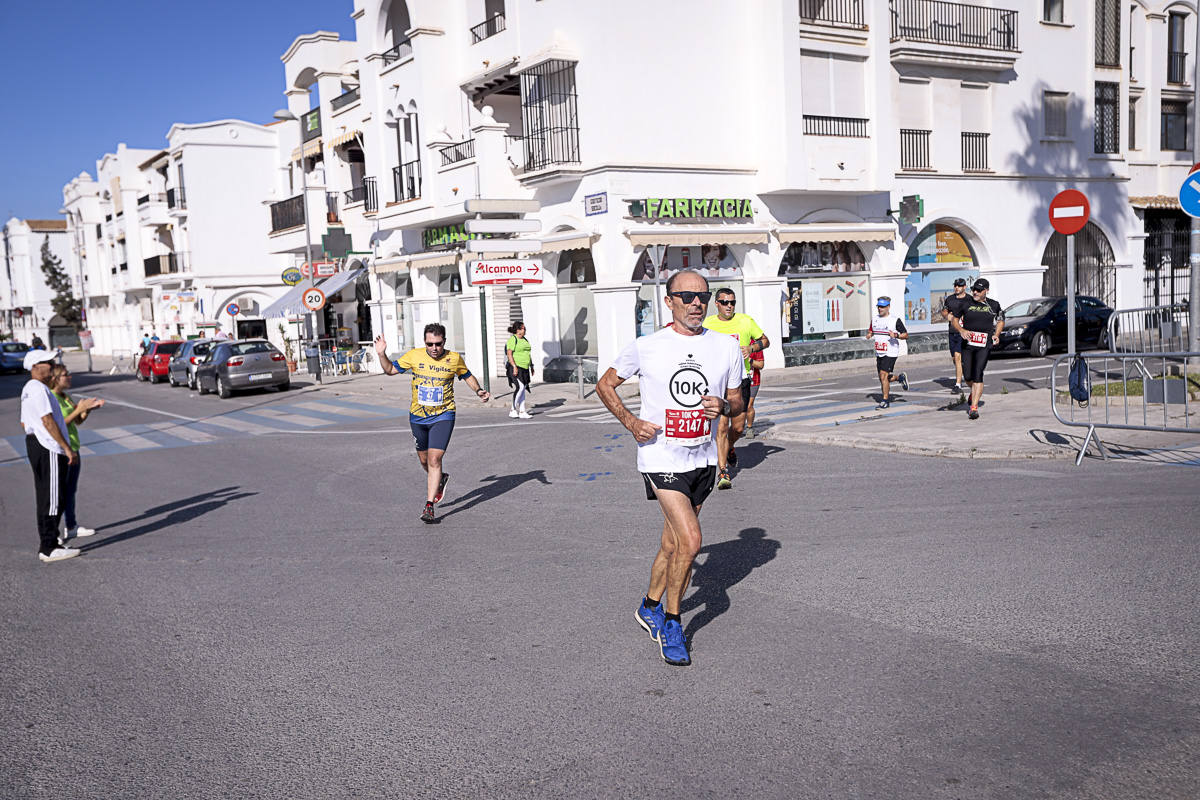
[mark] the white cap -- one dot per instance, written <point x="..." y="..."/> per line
<point x="34" y="357"/>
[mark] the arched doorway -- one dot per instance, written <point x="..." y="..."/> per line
<point x="1095" y="265"/>
<point x="938" y="255"/>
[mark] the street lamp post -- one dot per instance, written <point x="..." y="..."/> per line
<point x="287" y="116"/>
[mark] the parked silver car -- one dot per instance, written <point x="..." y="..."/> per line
<point x="182" y="368"/>
<point x="248" y="364"/>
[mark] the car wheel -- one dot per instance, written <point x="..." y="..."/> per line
<point x="171" y="379"/>
<point x="223" y="389"/>
<point x="200" y="387"/>
<point x="139" y="375"/>
<point x="154" y="378"/>
<point x="1102" y="342"/>
<point x="192" y="382"/>
<point x="283" y="387"/>
<point x="1040" y="345"/>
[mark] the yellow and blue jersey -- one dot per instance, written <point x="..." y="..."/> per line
<point x="433" y="381"/>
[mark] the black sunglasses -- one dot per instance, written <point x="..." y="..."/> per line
<point x="727" y="302"/>
<point x="688" y="297"/>
<point x="436" y="344"/>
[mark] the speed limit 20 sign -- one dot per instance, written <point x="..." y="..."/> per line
<point x="314" y="299"/>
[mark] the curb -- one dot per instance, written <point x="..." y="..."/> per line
<point x="916" y="450"/>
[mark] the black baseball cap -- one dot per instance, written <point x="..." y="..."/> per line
<point x="960" y="281"/>
<point x="980" y="285"/>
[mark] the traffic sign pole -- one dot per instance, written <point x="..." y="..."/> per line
<point x="1069" y="212"/>
<point x="1071" y="295"/>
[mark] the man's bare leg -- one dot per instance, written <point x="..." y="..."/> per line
<point x="958" y="380"/>
<point x="679" y="547"/>
<point x="431" y="462"/>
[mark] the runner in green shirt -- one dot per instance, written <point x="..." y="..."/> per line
<point x="520" y="368"/>
<point x="752" y="340"/>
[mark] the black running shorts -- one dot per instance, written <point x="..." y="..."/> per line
<point x="697" y="484"/>
<point x="974" y="360"/>
<point x="745" y="388"/>
<point x="885" y="364"/>
<point x="956" y="342"/>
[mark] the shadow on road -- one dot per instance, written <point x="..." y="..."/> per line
<point x="726" y="565"/>
<point x="177" y="512"/>
<point x="494" y="486"/>
<point x="755" y="453"/>
<point x="1185" y="455"/>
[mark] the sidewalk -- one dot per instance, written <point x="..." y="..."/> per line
<point x="1010" y="426"/>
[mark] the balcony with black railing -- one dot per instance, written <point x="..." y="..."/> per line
<point x="459" y="151"/>
<point x="160" y="265"/>
<point x="153" y="197"/>
<point x="833" y="13"/>
<point x="1177" y="68"/>
<point x="287" y="213"/>
<point x="914" y="150"/>
<point x="406" y="180"/>
<point x="974" y="152"/>
<point x="344" y="99"/>
<point x="400" y="51"/>
<point x="852" y="127"/>
<point x="176" y="198"/>
<point x="364" y="194"/>
<point x="331" y="207"/>
<point x="956" y="24"/>
<point x="488" y="28"/>
<point x="310" y="125"/>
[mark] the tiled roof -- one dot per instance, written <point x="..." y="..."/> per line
<point x="1155" y="201"/>
<point x="46" y="224"/>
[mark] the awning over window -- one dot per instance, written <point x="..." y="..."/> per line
<point x="290" y="304"/>
<point x="310" y="149"/>
<point x="332" y="285"/>
<point x="394" y="264"/>
<point x="433" y="259"/>
<point x="685" y="235"/>
<point x="837" y="232"/>
<point x="345" y="138"/>
<point x="566" y="240"/>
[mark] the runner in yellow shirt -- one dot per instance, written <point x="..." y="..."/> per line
<point x="752" y="340"/>
<point x="431" y="415"/>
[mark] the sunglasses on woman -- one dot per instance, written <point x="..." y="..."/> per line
<point x="687" y="298"/>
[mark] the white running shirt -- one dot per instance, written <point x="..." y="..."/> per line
<point x="882" y="329"/>
<point x="36" y="402"/>
<point x="676" y="371"/>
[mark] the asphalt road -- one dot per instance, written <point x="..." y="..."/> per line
<point x="262" y="615"/>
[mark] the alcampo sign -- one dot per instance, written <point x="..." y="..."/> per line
<point x="655" y="208"/>
<point x="446" y="235"/>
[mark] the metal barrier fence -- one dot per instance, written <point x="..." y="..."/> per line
<point x="1151" y="329"/>
<point x="122" y="361"/>
<point x="1136" y="391"/>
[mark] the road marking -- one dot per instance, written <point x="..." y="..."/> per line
<point x="239" y="425"/>
<point x="1036" y="473"/>
<point x="126" y="438"/>
<point x="185" y="432"/>
<point x="283" y="416"/>
<point x="345" y="411"/>
<point x="8" y="452"/>
<point x="1069" y="212"/>
<point x="146" y="408"/>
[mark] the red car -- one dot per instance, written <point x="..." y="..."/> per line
<point x="153" y="364"/>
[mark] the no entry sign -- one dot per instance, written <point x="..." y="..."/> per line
<point x="1069" y="212"/>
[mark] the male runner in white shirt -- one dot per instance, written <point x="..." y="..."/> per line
<point x="689" y="377"/>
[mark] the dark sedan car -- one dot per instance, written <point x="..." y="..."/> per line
<point x="182" y="368"/>
<point x="1041" y="323"/>
<point x="248" y="364"/>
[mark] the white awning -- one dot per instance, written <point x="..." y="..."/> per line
<point x="345" y="138"/>
<point x="310" y="149"/>
<point x="566" y="240"/>
<point x="396" y="264"/>
<point x="291" y="304"/>
<point x="837" y="232"/>
<point x="433" y="259"/>
<point x="332" y="285"/>
<point x="692" y="235"/>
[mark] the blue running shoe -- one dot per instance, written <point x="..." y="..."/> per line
<point x="673" y="644"/>
<point x="651" y="619"/>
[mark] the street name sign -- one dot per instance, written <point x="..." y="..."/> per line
<point x="1069" y="212"/>
<point x="503" y="225"/>
<point x="314" y="299"/>
<point x="503" y="246"/>
<point x="481" y="205"/>
<point x="505" y="271"/>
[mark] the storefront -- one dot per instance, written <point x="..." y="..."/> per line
<point x="827" y="273"/>
<point x="936" y="258"/>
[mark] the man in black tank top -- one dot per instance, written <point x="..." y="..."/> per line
<point x="979" y="326"/>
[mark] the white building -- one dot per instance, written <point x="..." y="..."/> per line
<point x="26" y="301"/>
<point x="783" y="160"/>
<point x="181" y="235"/>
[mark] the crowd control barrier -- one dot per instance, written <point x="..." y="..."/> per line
<point x="1152" y="329"/>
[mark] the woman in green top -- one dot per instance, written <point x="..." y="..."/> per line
<point x="519" y="369"/>
<point x="73" y="413"/>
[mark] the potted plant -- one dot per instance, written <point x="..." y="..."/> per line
<point x="289" y="349"/>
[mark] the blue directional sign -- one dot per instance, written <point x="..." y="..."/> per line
<point x="1189" y="195"/>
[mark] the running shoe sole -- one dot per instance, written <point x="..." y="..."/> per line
<point x="724" y="483"/>
<point x="437" y="498"/>
<point x="645" y="626"/>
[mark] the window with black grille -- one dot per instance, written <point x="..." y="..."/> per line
<point x="549" y="114"/>
<point x="1174" y="125"/>
<point x="1108" y="118"/>
<point x="1108" y="33"/>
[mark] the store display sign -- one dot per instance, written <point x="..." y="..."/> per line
<point x="821" y="305"/>
<point x="447" y="235"/>
<point x="939" y="246"/>
<point x="187" y="296"/>
<point x="690" y="208"/>
<point x="505" y="271"/>
<point x="925" y="290"/>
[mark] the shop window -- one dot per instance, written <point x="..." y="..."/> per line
<point x="716" y="262"/>
<point x="938" y="256"/>
<point x="804" y="257"/>
<point x="450" y="307"/>
<point x="576" y="304"/>
<point x="816" y="306"/>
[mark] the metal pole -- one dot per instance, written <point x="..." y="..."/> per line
<point x="579" y="369"/>
<point x="1071" y="294"/>
<point x="312" y="315"/>
<point x="655" y="254"/>
<point x="487" y="375"/>
<point x="1194" y="259"/>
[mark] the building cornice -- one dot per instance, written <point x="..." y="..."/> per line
<point x="308" y="38"/>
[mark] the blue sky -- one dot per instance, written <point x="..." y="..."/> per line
<point x="84" y="76"/>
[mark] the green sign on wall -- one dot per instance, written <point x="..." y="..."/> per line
<point x="446" y="235"/>
<point x="655" y="208"/>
